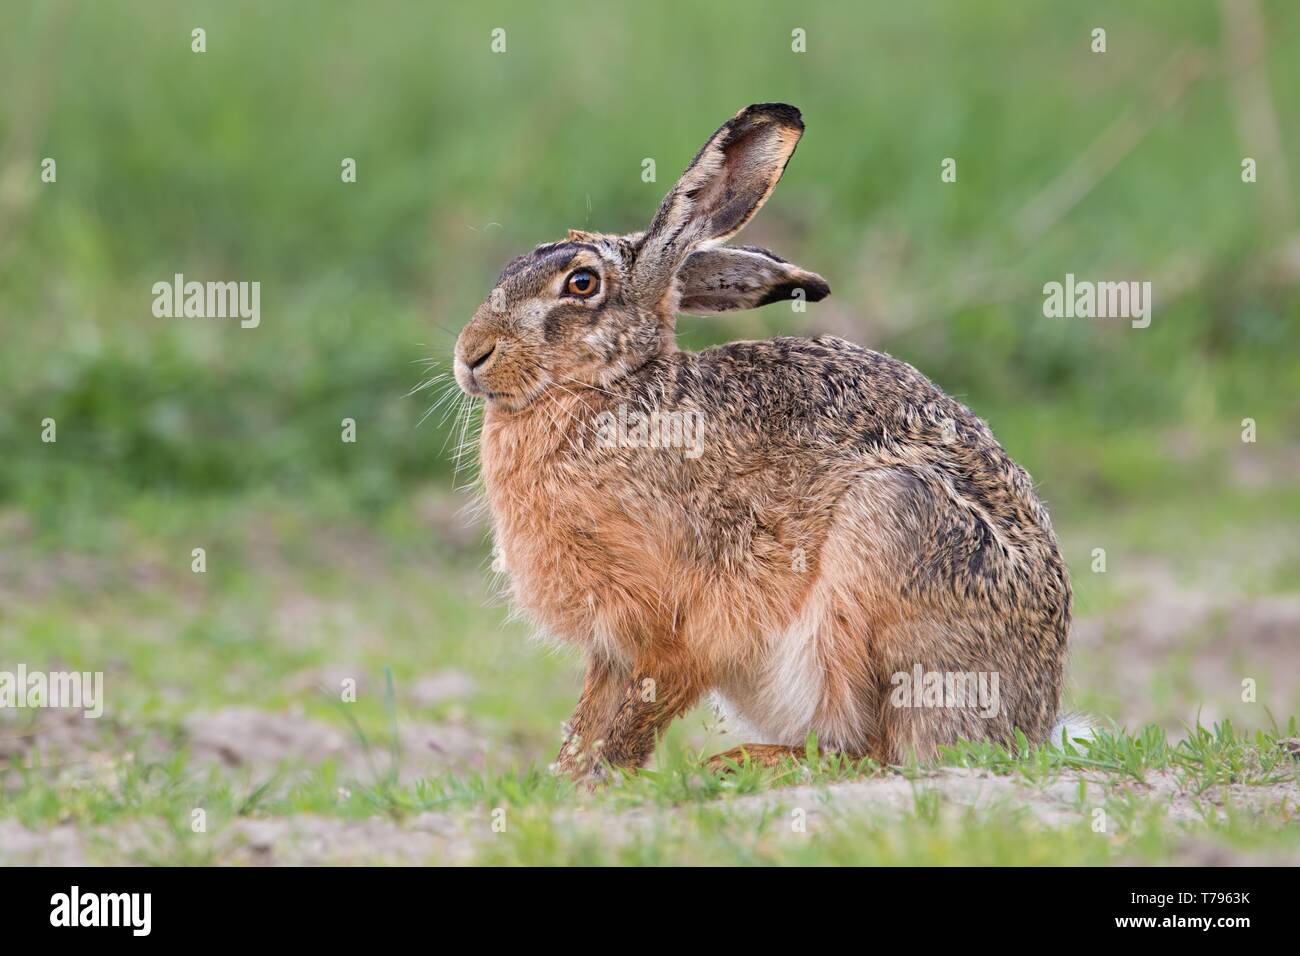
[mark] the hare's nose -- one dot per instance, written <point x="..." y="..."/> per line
<point x="479" y="360"/>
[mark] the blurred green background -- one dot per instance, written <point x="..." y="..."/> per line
<point x="328" y="558"/>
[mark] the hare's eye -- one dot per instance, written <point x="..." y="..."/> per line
<point x="582" y="283"/>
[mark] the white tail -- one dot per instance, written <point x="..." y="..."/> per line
<point x="1076" y="726"/>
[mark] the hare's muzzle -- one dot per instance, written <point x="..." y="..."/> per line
<point x="474" y="358"/>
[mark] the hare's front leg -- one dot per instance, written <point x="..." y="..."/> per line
<point x="655" y="696"/>
<point x="584" y="737"/>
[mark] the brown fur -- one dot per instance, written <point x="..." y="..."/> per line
<point x="844" y="521"/>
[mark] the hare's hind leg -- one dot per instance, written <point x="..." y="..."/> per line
<point x="894" y="607"/>
<point x="949" y="702"/>
<point x="975" y="648"/>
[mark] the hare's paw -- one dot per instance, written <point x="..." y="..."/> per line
<point x="758" y="755"/>
<point x="586" y="777"/>
<point x="581" y="764"/>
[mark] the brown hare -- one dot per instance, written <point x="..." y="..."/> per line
<point x="837" y="548"/>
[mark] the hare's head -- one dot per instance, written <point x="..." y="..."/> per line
<point x="594" y="307"/>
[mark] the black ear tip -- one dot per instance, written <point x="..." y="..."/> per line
<point x="782" y="113"/>
<point x="809" y="285"/>
<point x="817" y="288"/>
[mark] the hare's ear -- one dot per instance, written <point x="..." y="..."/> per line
<point x="727" y="182"/>
<point x="743" y="277"/>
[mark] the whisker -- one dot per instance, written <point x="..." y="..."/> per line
<point x="452" y="390"/>
<point x="449" y="391"/>
<point x="569" y="378"/>
<point x="427" y="383"/>
<point x="581" y="425"/>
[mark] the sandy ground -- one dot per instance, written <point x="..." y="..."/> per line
<point x="252" y="743"/>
